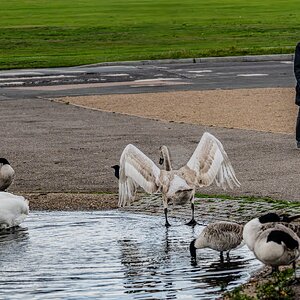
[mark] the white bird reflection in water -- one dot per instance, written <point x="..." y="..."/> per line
<point x="13" y="234"/>
<point x="13" y="243"/>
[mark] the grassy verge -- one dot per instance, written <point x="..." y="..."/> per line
<point x="251" y="199"/>
<point x="63" y="32"/>
<point x="279" y="286"/>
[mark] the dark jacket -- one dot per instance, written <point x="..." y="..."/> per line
<point x="297" y="72"/>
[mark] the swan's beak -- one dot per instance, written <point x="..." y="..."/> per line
<point x="161" y="161"/>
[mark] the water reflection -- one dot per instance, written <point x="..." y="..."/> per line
<point x="220" y="274"/>
<point x="112" y="255"/>
<point x="14" y="234"/>
<point x="142" y="268"/>
<point x="161" y="267"/>
<point x="13" y="243"/>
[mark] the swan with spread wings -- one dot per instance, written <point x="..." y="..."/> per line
<point x="209" y="163"/>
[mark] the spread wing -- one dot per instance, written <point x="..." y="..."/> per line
<point x="136" y="169"/>
<point x="211" y="163"/>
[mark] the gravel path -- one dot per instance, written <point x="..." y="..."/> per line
<point x="208" y="210"/>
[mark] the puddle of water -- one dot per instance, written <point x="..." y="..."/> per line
<point x="112" y="255"/>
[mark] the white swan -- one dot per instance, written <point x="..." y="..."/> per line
<point x="256" y="226"/>
<point x="277" y="246"/>
<point x="209" y="163"/>
<point x="13" y="210"/>
<point x="219" y="236"/>
<point x="7" y="174"/>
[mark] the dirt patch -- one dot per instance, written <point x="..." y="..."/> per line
<point x="71" y="201"/>
<point x="262" y="109"/>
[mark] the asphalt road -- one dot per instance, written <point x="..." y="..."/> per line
<point x="57" y="147"/>
<point x="151" y="76"/>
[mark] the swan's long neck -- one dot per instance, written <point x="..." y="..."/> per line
<point x="166" y="158"/>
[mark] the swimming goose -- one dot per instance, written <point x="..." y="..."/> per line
<point x="13" y="210"/>
<point x="209" y="163"/>
<point x="7" y="174"/>
<point x="277" y="246"/>
<point x="254" y="227"/>
<point x="219" y="236"/>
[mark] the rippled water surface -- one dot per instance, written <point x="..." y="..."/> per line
<point x="112" y="255"/>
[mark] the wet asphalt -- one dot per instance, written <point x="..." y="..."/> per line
<point x="56" y="147"/>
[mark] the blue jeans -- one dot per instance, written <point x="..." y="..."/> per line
<point x="298" y="127"/>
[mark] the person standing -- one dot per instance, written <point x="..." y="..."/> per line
<point x="297" y="98"/>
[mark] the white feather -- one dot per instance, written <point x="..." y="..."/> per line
<point x="13" y="210"/>
<point x="136" y="169"/>
<point x="211" y="163"/>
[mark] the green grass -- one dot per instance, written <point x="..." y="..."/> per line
<point x="278" y="204"/>
<point x="40" y="33"/>
<point x="277" y="287"/>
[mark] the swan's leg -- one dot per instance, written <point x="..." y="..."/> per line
<point x="165" y="201"/>
<point x="192" y="222"/>
<point x="227" y="256"/>
<point x="167" y="224"/>
<point x="221" y="257"/>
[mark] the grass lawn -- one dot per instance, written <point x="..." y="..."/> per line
<point x="41" y="33"/>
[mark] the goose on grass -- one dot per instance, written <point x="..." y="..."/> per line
<point x="13" y="210"/>
<point x="7" y="174"/>
<point x="219" y="236"/>
<point x="209" y="163"/>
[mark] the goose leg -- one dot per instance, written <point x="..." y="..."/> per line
<point x="192" y="222"/>
<point x="295" y="273"/>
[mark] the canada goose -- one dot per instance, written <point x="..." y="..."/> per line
<point x="13" y="210"/>
<point x="7" y="174"/>
<point x="209" y="163"/>
<point x="254" y="227"/>
<point x="219" y="236"/>
<point x="277" y="246"/>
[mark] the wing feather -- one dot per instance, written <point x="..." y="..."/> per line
<point x="136" y="169"/>
<point x="211" y="163"/>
